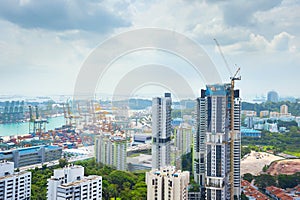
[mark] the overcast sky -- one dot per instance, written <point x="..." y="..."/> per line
<point x="43" y="44"/>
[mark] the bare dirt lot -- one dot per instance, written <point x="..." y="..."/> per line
<point x="255" y="162"/>
<point x="289" y="166"/>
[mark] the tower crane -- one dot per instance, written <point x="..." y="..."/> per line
<point x="225" y="61"/>
<point x="232" y="132"/>
<point x="234" y="78"/>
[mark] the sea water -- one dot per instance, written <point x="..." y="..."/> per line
<point x="23" y="127"/>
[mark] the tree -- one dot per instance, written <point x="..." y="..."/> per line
<point x="288" y="181"/>
<point x="265" y="180"/>
<point x="248" y="177"/>
<point x="294" y="129"/>
<point x="265" y="168"/>
<point x="112" y="190"/>
<point x="244" y="197"/>
<point x="62" y="162"/>
<point x="194" y="187"/>
<point x="245" y="151"/>
<point x="44" y="166"/>
<point x="186" y="161"/>
<point x="120" y="177"/>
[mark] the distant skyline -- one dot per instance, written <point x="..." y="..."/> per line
<point x="43" y="44"/>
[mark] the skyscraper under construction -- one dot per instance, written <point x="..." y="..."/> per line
<point x="212" y="156"/>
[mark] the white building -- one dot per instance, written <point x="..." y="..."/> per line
<point x="161" y="131"/>
<point x="14" y="185"/>
<point x="167" y="183"/>
<point x="111" y="150"/>
<point x="70" y="183"/>
<point x="249" y="113"/>
<point x="183" y="139"/>
<point x="212" y="142"/>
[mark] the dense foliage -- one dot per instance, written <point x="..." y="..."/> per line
<point x="281" y="181"/>
<point x="245" y="150"/>
<point x="187" y="162"/>
<point x="248" y="177"/>
<point x="39" y="182"/>
<point x="115" y="184"/>
<point x="278" y="142"/>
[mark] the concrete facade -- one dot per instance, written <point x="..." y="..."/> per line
<point x="211" y="157"/>
<point x="70" y="183"/>
<point x="14" y="185"/>
<point x="167" y="183"/>
<point x="161" y="131"/>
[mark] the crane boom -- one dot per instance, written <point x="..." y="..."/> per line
<point x="224" y="59"/>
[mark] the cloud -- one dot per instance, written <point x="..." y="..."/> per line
<point x="258" y="43"/>
<point x="44" y="42"/>
<point x="60" y="15"/>
<point x="284" y="18"/>
<point x="241" y="13"/>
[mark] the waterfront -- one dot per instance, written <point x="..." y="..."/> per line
<point x="23" y="128"/>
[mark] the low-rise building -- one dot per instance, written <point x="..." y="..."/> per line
<point x="278" y="193"/>
<point x="248" y="113"/>
<point x="274" y="114"/>
<point x="32" y="155"/>
<point x="251" y="192"/>
<point x="70" y="183"/>
<point x="250" y="133"/>
<point x="14" y="185"/>
<point x="264" y="113"/>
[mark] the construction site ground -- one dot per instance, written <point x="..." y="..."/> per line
<point x="254" y="162"/>
<point x="288" y="166"/>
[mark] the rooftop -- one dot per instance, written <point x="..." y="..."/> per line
<point x="85" y="179"/>
<point x="217" y="89"/>
<point x="15" y="174"/>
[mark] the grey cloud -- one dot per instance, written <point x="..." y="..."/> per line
<point x="240" y="13"/>
<point x="60" y="15"/>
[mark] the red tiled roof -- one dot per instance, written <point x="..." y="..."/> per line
<point x="249" y="190"/>
<point x="278" y="192"/>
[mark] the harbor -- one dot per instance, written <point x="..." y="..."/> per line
<point x="22" y="128"/>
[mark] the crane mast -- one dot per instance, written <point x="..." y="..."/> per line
<point x="232" y="133"/>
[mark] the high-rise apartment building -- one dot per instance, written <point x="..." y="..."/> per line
<point x="183" y="139"/>
<point x="111" y="150"/>
<point x="70" y="183"/>
<point x="161" y="131"/>
<point x="14" y="185"/>
<point x="167" y="183"/>
<point x="211" y="156"/>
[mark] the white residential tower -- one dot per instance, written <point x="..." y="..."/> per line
<point x="14" y="185"/>
<point x="161" y="131"/>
